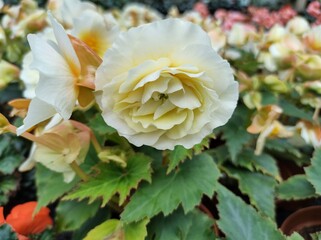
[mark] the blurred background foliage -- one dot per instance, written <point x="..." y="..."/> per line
<point x="184" y="5"/>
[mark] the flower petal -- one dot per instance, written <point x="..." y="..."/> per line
<point x="23" y="222"/>
<point x="38" y="111"/>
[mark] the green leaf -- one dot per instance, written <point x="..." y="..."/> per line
<point x="266" y="164"/>
<point x="8" y="184"/>
<point x="263" y="163"/>
<point x="78" y="213"/>
<point x="50" y="186"/>
<point x="7" y="233"/>
<point x="114" y="179"/>
<point x="295" y="188"/>
<point x="101" y="216"/>
<point x="194" y="225"/>
<point x="99" y="126"/>
<point x="9" y="164"/>
<point x="291" y="110"/>
<point x="295" y="236"/>
<point x="315" y="236"/>
<point x="166" y="192"/>
<point x="114" y="229"/>
<point x="260" y="189"/>
<point x="313" y="172"/>
<point x="179" y="154"/>
<point x="240" y="221"/>
<point x="234" y="132"/>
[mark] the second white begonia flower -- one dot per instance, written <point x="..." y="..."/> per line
<point x="62" y="76"/>
<point x="162" y="84"/>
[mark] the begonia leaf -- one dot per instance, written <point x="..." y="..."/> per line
<point x="185" y="186"/>
<point x="114" y="179"/>
<point x="313" y="172"/>
<point x="193" y="225"/>
<point x="114" y="229"/>
<point x="296" y="188"/>
<point x="240" y="221"/>
<point x="260" y="189"/>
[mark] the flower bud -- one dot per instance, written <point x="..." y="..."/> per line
<point x="309" y="67"/>
<point x="3" y="124"/>
<point x="298" y="25"/>
<point x="8" y="73"/>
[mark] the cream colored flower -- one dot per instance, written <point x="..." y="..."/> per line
<point x="162" y="84"/>
<point x="239" y="34"/>
<point x="66" y="10"/>
<point x="311" y="133"/>
<point x="136" y="14"/>
<point x="276" y="33"/>
<point x="312" y="39"/>
<point x="289" y="44"/>
<point x="298" y="25"/>
<point x="28" y="75"/>
<point x="97" y="31"/>
<point x="68" y="145"/>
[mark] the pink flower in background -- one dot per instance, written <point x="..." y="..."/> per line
<point x="229" y="18"/>
<point x="202" y="9"/>
<point x="314" y="9"/>
<point x="286" y="13"/>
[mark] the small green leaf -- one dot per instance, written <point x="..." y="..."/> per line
<point x="240" y="221"/>
<point x="296" y="188"/>
<point x="291" y="110"/>
<point x="234" y="132"/>
<point x="50" y="185"/>
<point x="260" y="189"/>
<point x="195" y="225"/>
<point x="78" y="213"/>
<point x="179" y="154"/>
<point x="295" y="236"/>
<point x="263" y="163"/>
<point x="98" y="125"/>
<point x="313" y="172"/>
<point x="114" y="229"/>
<point x="166" y="192"/>
<point x="9" y="164"/>
<point x="314" y="236"/>
<point x="114" y="179"/>
<point x="7" y="233"/>
<point x="8" y="184"/>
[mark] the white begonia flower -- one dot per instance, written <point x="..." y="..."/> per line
<point x="298" y="25"/>
<point x="29" y="76"/>
<point x="312" y="39"/>
<point x="289" y="44"/>
<point x="276" y="33"/>
<point x="68" y="145"/>
<point x="135" y="14"/>
<point x="61" y="76"/>
<point x="30" y="162"/>
<point x="162" y="84"/>
<point x="96" y="30"/>
<point x="239" y="34"/>
<point x="66" y="10"/>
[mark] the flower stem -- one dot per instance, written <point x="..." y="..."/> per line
<point x="79" y="171"/>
